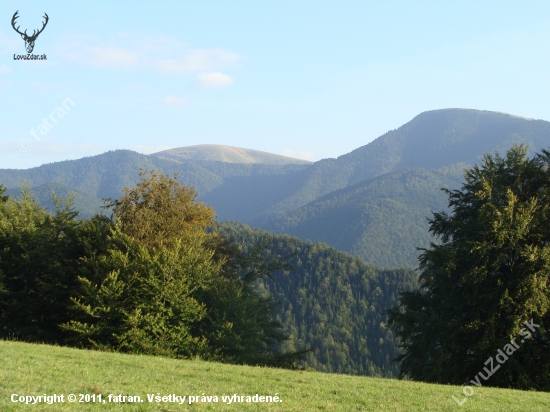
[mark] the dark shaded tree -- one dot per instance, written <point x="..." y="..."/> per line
<point x="3" y="198"/>
<point x="488" y="276"/>
<point x="39" y="255"/>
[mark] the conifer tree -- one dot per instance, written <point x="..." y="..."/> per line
<point x="39" y="254"/>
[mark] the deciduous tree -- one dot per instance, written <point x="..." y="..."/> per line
<point x="489" y="274"/>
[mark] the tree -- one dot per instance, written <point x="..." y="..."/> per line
<point x="159" y="210"/>
<point x="137" y="301"/>
<point x="240" y="325"/>
<point x="39" y="254"/>
<point x="160" y="281"/>
<point x="489" y="274"/>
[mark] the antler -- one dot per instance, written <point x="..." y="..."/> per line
<point x="43" y="26"/>
<point x="29" y="40"/>
<point x="15" y="16"/>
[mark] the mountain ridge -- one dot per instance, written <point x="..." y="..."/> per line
<point x="432" y="147"/>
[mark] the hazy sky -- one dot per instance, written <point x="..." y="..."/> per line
<point x="310" y="79"/>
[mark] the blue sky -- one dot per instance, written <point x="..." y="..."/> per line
<point x="310" y="79"/>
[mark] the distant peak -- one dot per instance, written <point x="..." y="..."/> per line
<point x="228" y="154"/>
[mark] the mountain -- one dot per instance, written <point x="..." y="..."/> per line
<point x="372" y="202"/>
<point x="331" y="301"/>
<point x="228" y="154"/>
<point x="432" y="140"/>
<point x="381" y="220"/>
<point x="441" y="138"/>
<point x="105" y="175"/>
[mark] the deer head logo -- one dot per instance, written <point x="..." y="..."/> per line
<point x="29" y="40"/>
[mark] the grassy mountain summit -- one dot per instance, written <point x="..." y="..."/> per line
<point x="228" y="154"/>
<point x="290" y="195"/>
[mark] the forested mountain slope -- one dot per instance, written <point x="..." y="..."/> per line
<point x="333" y="200"/>
<point x="381" y="220"/>
<point x="432" y="140"/>
<point x="86" y="204"/>
<point x="439" y="138"/>
<point x="332" y="301"/>
<point x="105" y="175"/>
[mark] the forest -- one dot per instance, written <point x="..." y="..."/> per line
<point x="156" y="274"/>
<point x="159" y="276"/>
<point x="372" y="202"/>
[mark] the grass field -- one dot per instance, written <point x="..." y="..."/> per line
<point x="32" y="370"/>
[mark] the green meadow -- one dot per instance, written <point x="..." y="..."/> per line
<point x="33" y="370"/>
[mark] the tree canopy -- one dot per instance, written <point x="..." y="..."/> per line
<point x="159" y="210"/>
<point x="489" y="275"/>
<point x="152" y="279"/>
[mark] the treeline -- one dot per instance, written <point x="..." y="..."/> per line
<point x="153" y="279"/>
<point x="87" y="205"/>
<point x="331" y="301"/>
<point x="158" y="277"/>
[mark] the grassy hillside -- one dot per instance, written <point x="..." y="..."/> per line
<point x="32" y="370"/>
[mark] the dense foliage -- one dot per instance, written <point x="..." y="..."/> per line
<point x="488" y="277"/>
<point x="39" y="257"/>
<point x="86" y="204"/>
<point x="332" y="301"/>
<point x="157" y="279"/>
<point x="151" y="280"/>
